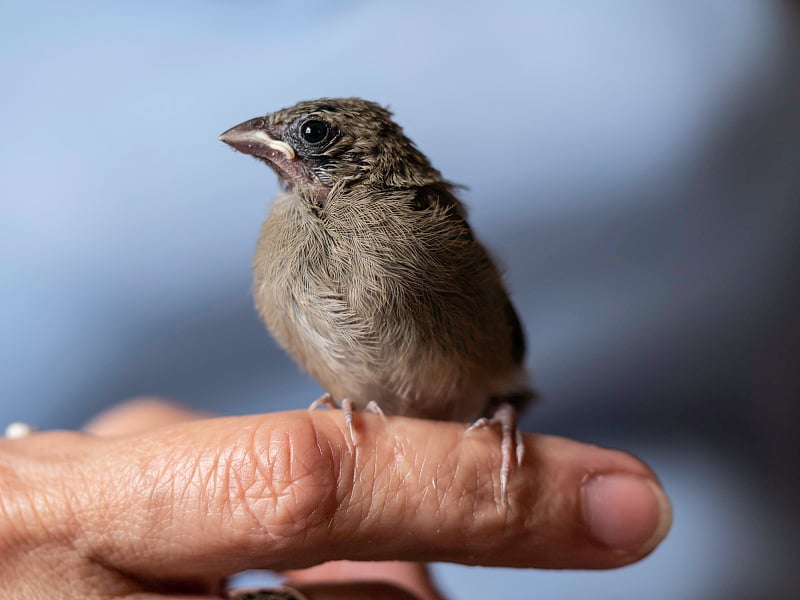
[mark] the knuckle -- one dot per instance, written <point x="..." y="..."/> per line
<point x="270" y="481"/>
<point x="278" y="481"/>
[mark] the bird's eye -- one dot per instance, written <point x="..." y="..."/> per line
<point x="315" y="131"/>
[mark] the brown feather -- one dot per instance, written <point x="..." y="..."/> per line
<point x="368" y="274"/>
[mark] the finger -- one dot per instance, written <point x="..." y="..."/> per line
<point x="140" y="414"/>
<point x="285" y="491"/>
<point x="410" y="576"/>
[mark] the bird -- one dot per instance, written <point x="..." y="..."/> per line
<point x="368" y="274"/>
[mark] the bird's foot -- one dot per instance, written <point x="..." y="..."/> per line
<point x="372" y="407"/>
<point x="325" y="400"/>
<point x="348" y="410"/>
<point x="512" y="447"/>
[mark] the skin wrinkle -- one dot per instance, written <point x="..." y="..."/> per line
<point x="426" y="485"/>
<point x="175" y="500"/>
<point x="407" y="458"/>
<point x="479" y="499"/>
<point x="226" y="494"/>
<point x="248" y="493"/>
<point x="46" y="502"/>
<point x="303" y="483"/>
<point x="161" y="502"/>
<point x="360" y="501"/>
<point x="155" y="484"/>
<point x="248" y="482"/>
<point x="467" y="503"/>
<point x="12" y="508"/>
<point x="53" y="564"/>
<point x="338" y="492"/>
<point x="238" y="500"/>
<point x="55" y="513"/>
<point x="386" y="492"/>
<point x="102" y="473"/>
<point x="275" y="501"/>
<point x="284" y="507"/>
<point x="32" y="500"/>
<point x="77" y="500"/>
<point x="419" y="465"/>
<point x="239" y="482"/>
<point x="345" y="486"/>
<point x="252" y="477"/>
<point x="546" y="506"/>
<point x="194" y="495"/>
<point x="285" y="479"/>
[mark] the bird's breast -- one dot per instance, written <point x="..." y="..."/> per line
<point x="354" y="307"/>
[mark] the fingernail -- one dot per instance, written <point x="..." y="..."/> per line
<point x="627" y="513"/>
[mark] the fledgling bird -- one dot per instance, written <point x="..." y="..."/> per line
<point x="368" y="274"/>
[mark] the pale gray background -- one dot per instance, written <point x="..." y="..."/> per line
<point x="634" y="165"/>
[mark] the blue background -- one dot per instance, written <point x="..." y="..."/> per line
<point x="632" y="164"/>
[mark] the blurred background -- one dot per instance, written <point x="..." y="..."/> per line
<point x="635" y="166"/>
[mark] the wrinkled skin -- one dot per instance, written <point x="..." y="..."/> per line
<point x="154" y="501"/>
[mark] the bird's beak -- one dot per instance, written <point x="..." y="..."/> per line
<point x="251" y="137"/>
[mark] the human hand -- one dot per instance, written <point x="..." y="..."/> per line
<point x="150" y="505"/>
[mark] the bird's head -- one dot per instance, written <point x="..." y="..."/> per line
<point x="319" y="145"/>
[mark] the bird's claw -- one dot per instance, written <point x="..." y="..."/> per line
<point x="325" y="400"/>
<point x="512" y="446"/>
<point x="348" y="410"/>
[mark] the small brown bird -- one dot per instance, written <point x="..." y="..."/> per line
<point x="368" y="274"/>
